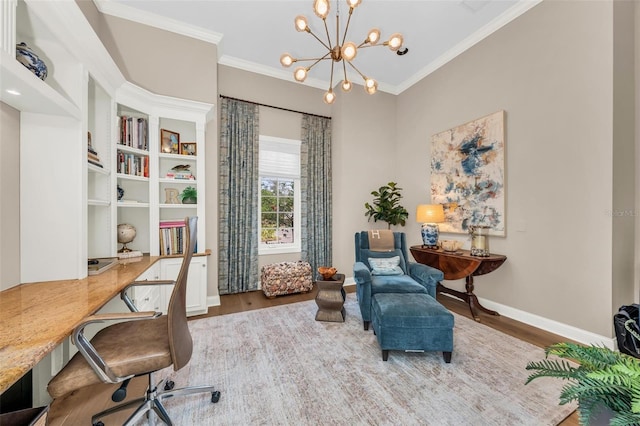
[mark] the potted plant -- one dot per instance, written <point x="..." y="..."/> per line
<point x="189" y="195"/>
<point x="604" y="383"/>
<point x="386" y="206"/>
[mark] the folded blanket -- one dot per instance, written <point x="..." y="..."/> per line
<point x="380" y="240"/>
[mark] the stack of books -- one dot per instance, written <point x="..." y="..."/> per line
<point x="92" y="156"/>
<point x="181" y="175"/>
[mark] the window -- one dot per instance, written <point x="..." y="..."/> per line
<point x="279" y="223"/>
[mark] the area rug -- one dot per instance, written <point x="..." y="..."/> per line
<point x="278" y="366"/>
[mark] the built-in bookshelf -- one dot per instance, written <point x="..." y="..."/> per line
<point x="100" y="195"/>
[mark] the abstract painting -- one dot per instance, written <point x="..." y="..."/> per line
<point x="467" y="175"/>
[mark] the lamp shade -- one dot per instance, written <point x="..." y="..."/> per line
<point x="430" y="213"/>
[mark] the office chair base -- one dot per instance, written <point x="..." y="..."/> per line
<point x="152" y="401"/>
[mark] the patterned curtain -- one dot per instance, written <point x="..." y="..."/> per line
<point x="315" y="170"/>
<point x="238" y="243"/>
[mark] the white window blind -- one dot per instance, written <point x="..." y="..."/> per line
<point x="279" y="157"/>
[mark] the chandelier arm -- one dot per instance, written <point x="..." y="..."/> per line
<point x="313" y="59"/>
<point x="331" y="78"/>
<point x="319" y="59"/>
<point x="366" y="44"/>
<point x="357" y="70"/>
<point x="317" y="38"/>
<point x="346" y="29"/>
<point x="326" y="30"/>
<point x="344" y="68"/>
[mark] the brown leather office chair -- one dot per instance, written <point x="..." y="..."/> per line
<point x="146" y="342"/>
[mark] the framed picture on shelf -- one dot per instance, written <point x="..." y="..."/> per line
<point x="169" y="142"/>
<point x="188" y="148"/>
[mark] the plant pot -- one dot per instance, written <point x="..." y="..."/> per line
<point x="190" y="200"/>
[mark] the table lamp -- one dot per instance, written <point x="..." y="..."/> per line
<point x="430" y="215"/>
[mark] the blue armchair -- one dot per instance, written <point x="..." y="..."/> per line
<point x="414" y="278"/>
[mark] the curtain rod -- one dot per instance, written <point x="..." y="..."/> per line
<point x="274" y="107"/>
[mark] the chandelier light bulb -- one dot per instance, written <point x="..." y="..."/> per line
<point x="300" y="74"/>
<point x="370" y="85"/>
<point x="373" y="37"/>
<point x="301" y="23"/>
<point x="286" y="60"/>
<point x="395" y="41"/>
<point x="349" y="51"/>
<point x="329" y="97"/>
<point x="346" y="86"/>
<point x="354" y="3"/>
<point x="321" y="8"/>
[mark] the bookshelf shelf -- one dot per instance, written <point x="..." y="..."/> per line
<point x="99" y="203"/>
<point x="178" y="206"/>
<point x="132" y="177"/>
<point x="99" y="170"/>
<point x="35" y="95"/>
<point x="132" y="204"/>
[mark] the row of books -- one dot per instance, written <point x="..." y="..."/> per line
<point x="134" y="132"/>
<point x="135" y="165"/>
<point x="172" y="237"/>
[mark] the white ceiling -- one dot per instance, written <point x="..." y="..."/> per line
<point x="252" y="35"/>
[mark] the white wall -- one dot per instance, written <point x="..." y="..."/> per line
<point x="10" y="196"/>
<point x="551" y="70"/>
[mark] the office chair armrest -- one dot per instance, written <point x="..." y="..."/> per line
<point x="127" y="300"/>
<point x="90" y="354"/>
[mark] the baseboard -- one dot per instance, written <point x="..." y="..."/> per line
<point x="564" y="330"/>
<point x="561" y="329"/>
<point x="213" y="300"/>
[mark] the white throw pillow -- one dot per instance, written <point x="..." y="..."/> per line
<point x="385" y="265"/>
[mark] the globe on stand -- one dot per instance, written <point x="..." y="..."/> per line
<point x="126" y="234"/>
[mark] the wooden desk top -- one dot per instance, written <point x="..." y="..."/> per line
<point x="459" y="264"/>
<point x="36" y="317"/>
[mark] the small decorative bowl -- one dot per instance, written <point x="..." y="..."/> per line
<point x="451" y="245"/>
<point x="327" y="272"/>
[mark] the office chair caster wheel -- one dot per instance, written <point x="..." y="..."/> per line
<point x="98" y="424"/>
<point x="215" y="396"/>
<point x="169" y="385"/>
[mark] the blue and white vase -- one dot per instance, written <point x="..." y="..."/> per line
<point x="430" y="235"/>
<point x="29" y="59"/>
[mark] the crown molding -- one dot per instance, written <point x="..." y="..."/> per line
<point x="469" y="42"/>
<point x="119" y="10"/>
<point x="268" y="71"/>
<point x="126" y="12"/>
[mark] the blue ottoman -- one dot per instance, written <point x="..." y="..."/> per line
<point x="414" y="322"/>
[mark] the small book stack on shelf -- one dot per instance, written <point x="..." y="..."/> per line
<point x="92" y="154"/>
<point x="172" y="237"/>
<point x="182" y="172"/>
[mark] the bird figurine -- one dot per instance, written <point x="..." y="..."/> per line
<point x="181" y="168"/>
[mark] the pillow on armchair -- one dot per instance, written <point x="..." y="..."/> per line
<point x="367" y="254"/>
<point x="385" y="265"/>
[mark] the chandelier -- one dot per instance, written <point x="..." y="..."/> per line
<point x="342" y="51"/>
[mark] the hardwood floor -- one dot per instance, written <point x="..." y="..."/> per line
<point x="256" y="300"/>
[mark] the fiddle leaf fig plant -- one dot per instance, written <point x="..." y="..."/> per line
<point x="386" y="206"/>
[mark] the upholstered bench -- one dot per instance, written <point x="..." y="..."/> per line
<point x="286" y="278"/>
<point x="411" y="322"/>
